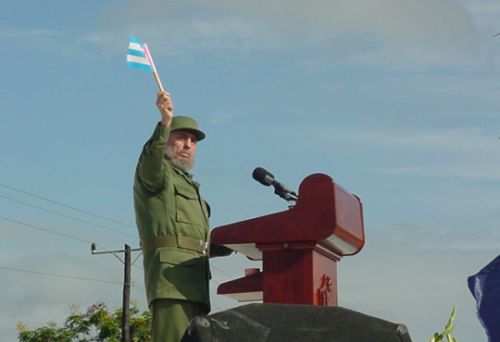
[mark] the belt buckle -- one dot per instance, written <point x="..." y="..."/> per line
<point x="203" y="248"/>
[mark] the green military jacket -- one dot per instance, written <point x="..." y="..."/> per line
<point x="168" y="205"/>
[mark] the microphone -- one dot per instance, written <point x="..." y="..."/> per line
<point x="263" y="176"/>
<point x="266" y="178"/>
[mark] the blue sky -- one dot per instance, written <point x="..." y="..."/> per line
<point x="397" y="101"/>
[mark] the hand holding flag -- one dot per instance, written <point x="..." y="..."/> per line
<point x="139" y="57"/>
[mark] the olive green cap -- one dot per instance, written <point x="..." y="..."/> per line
<point x="185" y="123"/>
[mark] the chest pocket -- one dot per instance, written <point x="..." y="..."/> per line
<point x="187" y="205"/>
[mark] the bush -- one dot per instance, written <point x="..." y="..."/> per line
<point x="96" y="324"/>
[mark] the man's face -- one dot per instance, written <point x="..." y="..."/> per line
<point x="181" y="149"/>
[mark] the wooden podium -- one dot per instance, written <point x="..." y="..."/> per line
<point x="299" y="247"/>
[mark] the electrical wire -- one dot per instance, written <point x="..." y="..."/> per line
<point x="68" y="236"/>
<point x="67" y="276"/>
<point x="45" y="229"/>
<point x="73" y="218"/>
<point x="65" y="205"/>
<point x="61" y="215"/>
<point x="66" y="216"/>
<point x="15" y="269"/>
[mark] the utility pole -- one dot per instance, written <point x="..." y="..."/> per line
<point x="126" y="297"/>
<point x="126" y="286"/>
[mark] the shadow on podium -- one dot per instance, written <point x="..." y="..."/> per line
<point x="292" y="323"/>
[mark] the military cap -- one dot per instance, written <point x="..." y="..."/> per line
<point x="185" y="123"/>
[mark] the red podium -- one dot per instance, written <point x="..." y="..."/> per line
<point x="299" y="247"/>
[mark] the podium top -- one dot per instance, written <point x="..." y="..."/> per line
<point x="325" y="214"/>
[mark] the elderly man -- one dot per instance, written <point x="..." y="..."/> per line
<point x="172" y="219"/>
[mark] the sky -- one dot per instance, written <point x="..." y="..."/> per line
<point x="397" y="101"/>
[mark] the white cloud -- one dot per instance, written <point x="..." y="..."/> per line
<point x="466" y="153"/>
<point x="388" y="32"/>
<point x="458" y="140"/>
<point x="483" y="7"/>
<point x="450" y="171"/>
<point x="418" y="238"/>
<point x="47" y="41"/>
<point x="20" y="34"/>
<point x="183" y="37"/>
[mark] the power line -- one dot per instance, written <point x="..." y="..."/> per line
<point x="77" y="239"/>
<point x="73" y="218"/>
<point x="65" y="205"/>
<point x="66" y="216"/>
<point x="15" y="269"/>
<point x="59" y="275"/>
<point x="45" y="229"/>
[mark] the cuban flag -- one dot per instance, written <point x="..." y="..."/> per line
<point x="138" y="55"/>
<point x="485" y="287"/>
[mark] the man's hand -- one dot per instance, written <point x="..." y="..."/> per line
<point x="166" y="107"/>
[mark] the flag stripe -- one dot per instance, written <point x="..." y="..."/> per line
<point x="137" y="59"/>
<point x="138" y="53"/>
<point x="136" y="65"/>
<point x="135" y="46"/>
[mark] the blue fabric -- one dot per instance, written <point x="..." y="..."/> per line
<point x="136" y="53"/>
<point x="136" y="58"/>
<point x="139" y="66"/>
<point x="485" y="287"/>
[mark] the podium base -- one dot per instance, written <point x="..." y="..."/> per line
<point x="292" y="323"/>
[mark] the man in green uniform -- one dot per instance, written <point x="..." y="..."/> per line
<point x="173" y="225"/>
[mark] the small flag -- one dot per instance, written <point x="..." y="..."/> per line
<point x="137" y="55"/>
<point x="485" y="287"/>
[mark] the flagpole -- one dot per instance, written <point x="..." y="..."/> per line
<point x="158" y="81"/>
<point x="153" y="68"/>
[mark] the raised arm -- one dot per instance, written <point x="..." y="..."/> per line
<point x="166" y="108"/>
<point x="150" y="169"/>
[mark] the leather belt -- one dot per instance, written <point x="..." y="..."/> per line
<point x="180" y="241"/>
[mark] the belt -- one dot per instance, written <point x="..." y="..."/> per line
<point x="180" y="241"/>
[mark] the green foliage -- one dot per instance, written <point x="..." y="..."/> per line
<point x="96" y="324"/>
<point x="448" y="329"/>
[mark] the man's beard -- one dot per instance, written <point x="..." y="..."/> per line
<point x="184" y="164"/>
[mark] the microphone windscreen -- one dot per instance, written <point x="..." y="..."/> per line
<point x="262" y="176"/>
